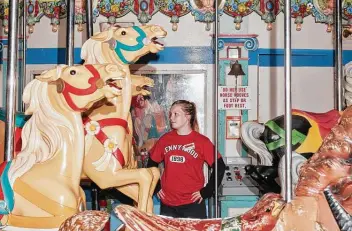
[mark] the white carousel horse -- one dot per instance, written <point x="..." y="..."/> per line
<point x="40" y="186"/>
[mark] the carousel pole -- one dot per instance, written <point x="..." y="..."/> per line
<point x="216" y="28"/>
<point x="21" y="105"/>
<point x="339" y="104"/>
<point x="11" y="81"/>
<point x="288" y="103"/>
<point x="70" y="36"/>
<point x="89" y="14"/>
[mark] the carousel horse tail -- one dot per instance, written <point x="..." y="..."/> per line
<point x="250" y="135"/>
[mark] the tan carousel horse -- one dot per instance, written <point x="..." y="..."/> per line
<point x="40" y="186"/>
<point x="109" y="158"/>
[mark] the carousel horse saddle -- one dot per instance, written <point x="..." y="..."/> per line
<point x="265" y="177"/>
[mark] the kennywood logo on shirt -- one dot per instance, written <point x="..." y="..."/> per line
<point x="189" y="148"/>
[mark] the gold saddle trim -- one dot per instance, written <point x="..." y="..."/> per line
<point x="60" y="212"/>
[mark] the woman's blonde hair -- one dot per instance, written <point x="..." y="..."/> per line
<point x="190" y="109"/>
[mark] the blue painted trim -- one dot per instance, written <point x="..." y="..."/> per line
<point x="7" y="191"/>
<point x="222" y="113"/>
<point x="300" y="57"/>
<point x="202" y="55"/>
<point x="244" y="113"/>
<point x="251" y="44"/>
<point x="171" y="55"/>
<point x="51" y="56"/>
<point x="20" y="118"/>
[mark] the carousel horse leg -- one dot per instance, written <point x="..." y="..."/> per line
<point x="125" y="177"/>
<point x="82" y="204"/>
<point x="132" y="190"/>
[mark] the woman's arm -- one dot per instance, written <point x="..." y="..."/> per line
<point x="209" y="189"/>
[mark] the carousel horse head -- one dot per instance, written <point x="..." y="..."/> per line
<point x="268" y="141"/>
<point x="65" y="89"/>
<point x="123" y="45"/>
<point x="87" y="83"/>
<point x="308" y="132"/>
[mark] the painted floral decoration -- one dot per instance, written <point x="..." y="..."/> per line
<point x="113" y="9"/>
<point x="92" y="128"/>
<point x="174" y="9"/>
<point x="299" y="10"/>
<point x="238" y="9"/>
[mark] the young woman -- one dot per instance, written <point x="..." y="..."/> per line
<point x="184" y="151"/>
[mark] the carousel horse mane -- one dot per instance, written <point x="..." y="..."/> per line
<point x="41" y="135"/>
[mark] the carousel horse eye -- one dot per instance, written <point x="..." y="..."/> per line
<point x="72" y="72"/>
<point x="267" y="210"/>
<point x="123" y="33"/>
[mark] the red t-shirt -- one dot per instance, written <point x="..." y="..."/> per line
<point x="183" y="156"/>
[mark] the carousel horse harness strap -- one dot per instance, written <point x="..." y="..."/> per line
<point x="102" y="137"/>
<point x="120" y="46"/>
<point x="59" y="212"/>
<point x="297" y="137"/>
<point x="69" y="89"/>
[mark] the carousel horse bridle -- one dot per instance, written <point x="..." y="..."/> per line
<point x="67" y="89"/>
<point x="120" y="46"/>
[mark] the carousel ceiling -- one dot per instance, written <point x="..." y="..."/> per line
<point x="201" y="10"/>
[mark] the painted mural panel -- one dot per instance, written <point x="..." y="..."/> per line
<point x="150" y="113"/>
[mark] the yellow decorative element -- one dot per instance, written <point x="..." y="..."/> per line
<point x="313" y="141"/>
<point x="114" y="8"/>
<point x="59" y="211"/>
<point x="241" y="8"/>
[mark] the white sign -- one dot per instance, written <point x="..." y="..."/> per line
<point x="231" y="97"/>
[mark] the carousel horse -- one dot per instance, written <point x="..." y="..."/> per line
<point x="268" y="140"/>
<point x="40" y="186"/>
<point x="95" y="50"/>
<point x="109" y="159"/>
<point x="121" y="46"/>
<point x="322" y="201"/>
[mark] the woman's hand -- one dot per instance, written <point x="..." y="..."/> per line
<point x="197" y="197"/>
<point x="161" y="194"/>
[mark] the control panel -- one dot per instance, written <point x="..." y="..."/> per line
<point x="235" y="181"/>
